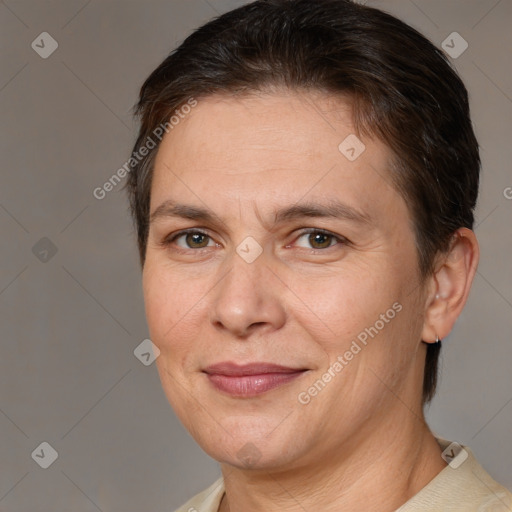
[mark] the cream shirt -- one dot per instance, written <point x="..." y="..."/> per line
<point x="466" y="488"/>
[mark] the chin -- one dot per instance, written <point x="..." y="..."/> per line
<point x="249" y="444"/>
<point x="252" y="456"/>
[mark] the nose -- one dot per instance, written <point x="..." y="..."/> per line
<point x="248" y="299"/>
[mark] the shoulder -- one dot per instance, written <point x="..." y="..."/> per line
<point x="207" y="500"/>
<point x="462" y="486"/>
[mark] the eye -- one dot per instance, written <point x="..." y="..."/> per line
<point x="192" y="240"/>
<point x="320" y="239"/>
<point x="316" y="239"/>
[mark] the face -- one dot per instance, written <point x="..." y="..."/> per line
<point x="281" y="281"/>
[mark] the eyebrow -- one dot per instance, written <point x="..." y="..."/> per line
<point x="331" y="209"/>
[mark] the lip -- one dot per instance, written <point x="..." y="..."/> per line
<point x="250" y="380"/>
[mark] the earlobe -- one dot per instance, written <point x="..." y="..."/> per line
<point x="451" y="283"/>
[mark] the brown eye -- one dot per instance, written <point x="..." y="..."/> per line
<point x="189" y="240"/>
<point x="196" y="240"/>
<point x="317" y="239"/>
<point x="320" y="240"/>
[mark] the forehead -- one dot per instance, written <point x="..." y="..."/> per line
<point x="271" y="147"/>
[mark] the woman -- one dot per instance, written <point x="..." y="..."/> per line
<point x="303" y="187"/>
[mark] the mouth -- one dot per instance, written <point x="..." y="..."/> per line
<point x="250" y="380"/>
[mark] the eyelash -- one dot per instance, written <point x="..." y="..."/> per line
<point x="168" y="241"/>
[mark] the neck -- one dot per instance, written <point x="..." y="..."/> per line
<point x="375" y="473"/>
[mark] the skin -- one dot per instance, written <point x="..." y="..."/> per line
<point x="361" y="443"/>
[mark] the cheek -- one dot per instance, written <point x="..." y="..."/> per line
<point x="364" y="316"/>
<point x="172" y="302"/>
<point x="344" y="304"/>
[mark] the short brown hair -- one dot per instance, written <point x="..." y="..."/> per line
<point x="403" y="91"/>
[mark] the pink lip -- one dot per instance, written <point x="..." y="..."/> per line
<point x="250" y="379"/>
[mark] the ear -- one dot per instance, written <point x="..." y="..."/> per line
<point x="450" y="284"/>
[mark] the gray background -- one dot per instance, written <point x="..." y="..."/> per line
<point x="71" y="321"/>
